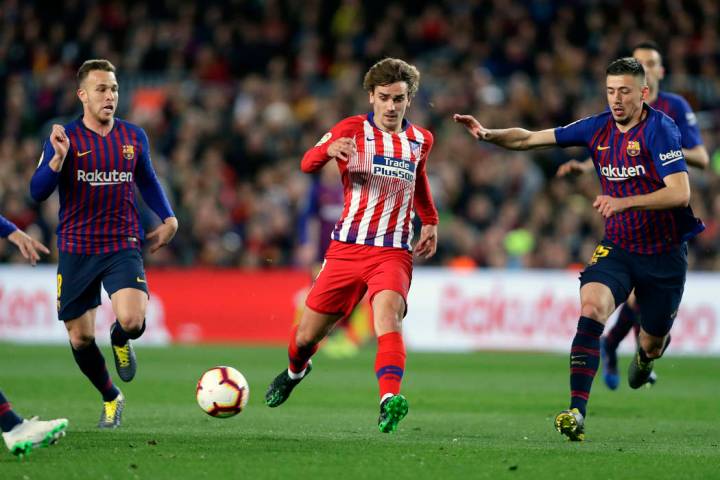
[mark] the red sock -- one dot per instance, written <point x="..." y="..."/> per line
<point x="390" y="363"/>
<point x="299" y="356"/>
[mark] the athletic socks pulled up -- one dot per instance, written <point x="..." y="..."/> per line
<point x="390" y="363"/>
<point x="92" y="363"/>
<point x="584" y="361"/>
<point x="298" y="357"/>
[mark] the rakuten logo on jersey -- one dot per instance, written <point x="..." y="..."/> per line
<point x="98" y="178"/>
<point x="620" y="174"/>
<point x="671" y="156"/>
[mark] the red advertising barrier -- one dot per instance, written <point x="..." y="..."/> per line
<point x="228" y="305"/>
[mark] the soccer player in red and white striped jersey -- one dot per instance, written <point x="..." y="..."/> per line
<point x="382" y="159"/>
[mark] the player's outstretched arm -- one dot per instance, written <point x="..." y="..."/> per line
<point x="28" y="246"/>
<point x="510" y="138"/>
<point x="697" y="156"/>
<point x="675" y="193"/>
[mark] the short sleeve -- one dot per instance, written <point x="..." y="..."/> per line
<point x="576" y="134"/>
<point x="665" y="148"/>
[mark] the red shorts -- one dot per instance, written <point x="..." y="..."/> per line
<point x="350" y="270"/>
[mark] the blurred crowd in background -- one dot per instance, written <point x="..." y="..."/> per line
<point x="233" y="92"/>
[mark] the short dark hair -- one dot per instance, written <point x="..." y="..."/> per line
<point x="626" y="66"/>
<point x="94" y="64"/>
<point x="648" y="45"/>
<point x="391" y="70"/>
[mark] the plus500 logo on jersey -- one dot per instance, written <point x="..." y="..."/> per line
<point x="620" y="174"/>
<point x="97" y="178"/>
<point x="393" y="167"/>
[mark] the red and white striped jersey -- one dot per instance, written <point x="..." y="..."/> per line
<point x="383" y="180"/>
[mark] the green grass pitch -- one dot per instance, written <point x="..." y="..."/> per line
<point x="482" y="415"/>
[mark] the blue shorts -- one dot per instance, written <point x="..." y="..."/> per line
<point x="658" y="280"/>
<point x="79" y="277"/>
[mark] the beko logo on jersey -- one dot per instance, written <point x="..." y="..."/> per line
<point x="671" y="155"/>
<point x="97" y="178"/>
<point x="393" y="167"/>
<point x="620" y="174"/>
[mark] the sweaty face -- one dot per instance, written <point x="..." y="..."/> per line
<point x="99" y="95"/>
<point x="652" y="63"/>
<point x="389" y="104"/>
<point x="625" y="96"/>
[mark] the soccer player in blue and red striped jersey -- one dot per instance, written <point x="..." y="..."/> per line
<point x="381" y="158"/>
<point x="696" y="155"/>
<point x="95" y="162"/>
<point x="645" y="201"/>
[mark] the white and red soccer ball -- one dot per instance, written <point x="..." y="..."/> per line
<point x="222" y="392"/>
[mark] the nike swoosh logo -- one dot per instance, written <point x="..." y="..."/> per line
<point x="140" y="280"/>
<point x="82" y="154"/>
<point x="370" y="139"/>
<point x="602" y="148"/>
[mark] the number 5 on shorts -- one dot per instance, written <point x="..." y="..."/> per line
<point x="601" y="251"/>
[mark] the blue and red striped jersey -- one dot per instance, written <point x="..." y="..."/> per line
<point x="96" y="187"/>
<point x="635" y="163"/>
<point x="677" y="108"/>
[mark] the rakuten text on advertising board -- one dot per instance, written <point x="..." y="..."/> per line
<point x="534" y="310"/>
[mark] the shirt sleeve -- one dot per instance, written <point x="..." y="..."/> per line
<point x="315" y="158"/>
<point x="687" y="124"/>
<point x="45" y="179"/>
<point x="6" y="227"/>
<point x="576" y="134"/>
<point x="148" y="183"/>
<point x="665" y="148"/>
<point x="424" y="204"/>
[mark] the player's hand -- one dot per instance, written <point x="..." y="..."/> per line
<point x="163" y="234"/>
<point x="60" y="142"/>
<point x="472" y="125"/>
<point x="574" y="167"/>
<point x="342" y="148"/>
<point x="28" y="246"/>
<point x="609" y="206"/>
<point x="427" y="245"/>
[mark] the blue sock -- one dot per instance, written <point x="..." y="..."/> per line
<point x="8" y="418"/>
<point x="584" y="361"/>
<point x="92" y="363"/>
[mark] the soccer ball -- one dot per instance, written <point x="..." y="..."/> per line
<point x="222" y="392"/>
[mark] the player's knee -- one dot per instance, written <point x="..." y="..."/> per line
<point x="131" y="322"/>
<point x="80" y="340"/>
<point x="595" y="310"/>
<point x="653" y="347"/>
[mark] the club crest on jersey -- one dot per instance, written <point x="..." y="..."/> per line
<point x="415" y="146"/>
<point x="633" y="148"/>
<point x="128" y="152"/>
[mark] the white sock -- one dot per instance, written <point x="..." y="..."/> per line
<point x="296" y="376"/>
<point x="387" y="395"/>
